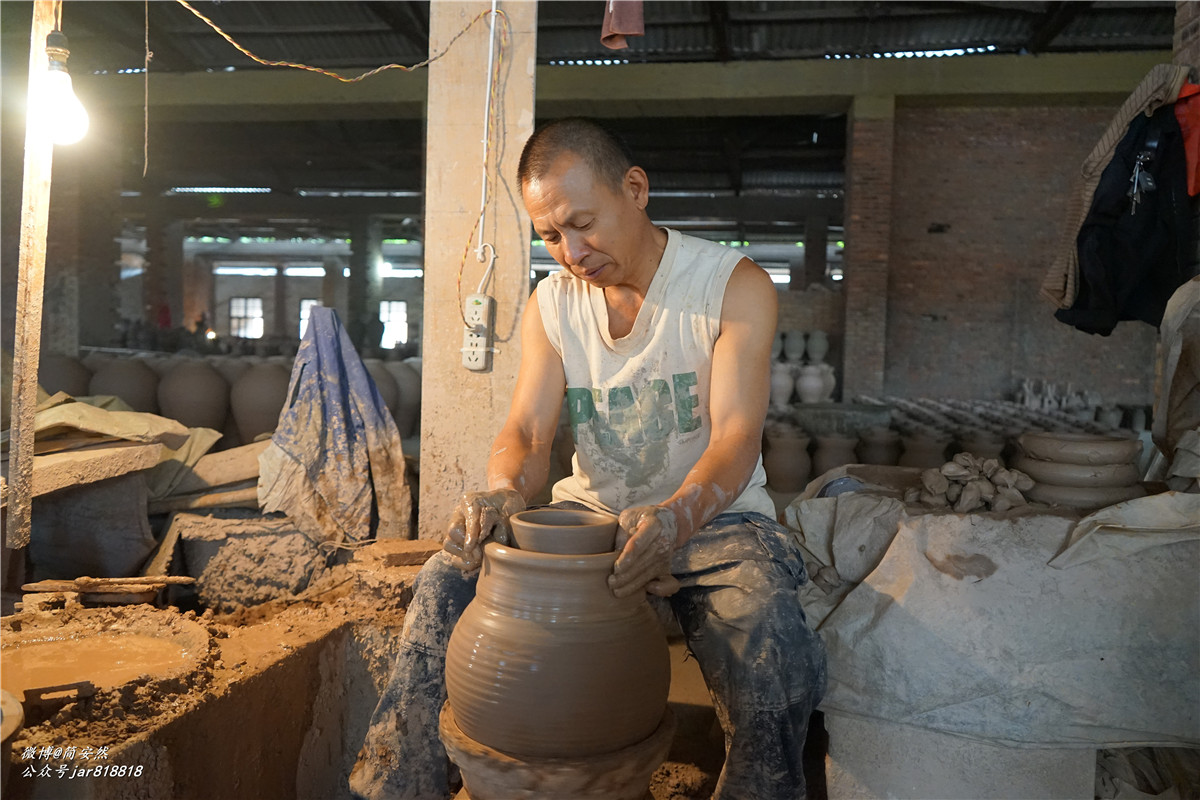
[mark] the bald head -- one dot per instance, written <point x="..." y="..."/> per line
<point x="605" y="154"/>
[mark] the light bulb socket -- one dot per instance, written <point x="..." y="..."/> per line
<point x="56" y="49"/>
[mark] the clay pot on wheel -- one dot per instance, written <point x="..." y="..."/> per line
<point x="59" y="373"/>
<point x="563" y="531"/>
<point x="195" y="394"/>
<point x="257" y="398"/>
<point x="546" y="662"/>
<point x="130" y="380"/>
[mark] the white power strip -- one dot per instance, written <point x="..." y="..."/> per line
<point x="477" y="349"/>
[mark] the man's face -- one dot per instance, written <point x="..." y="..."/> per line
<point x="584" y="220"/>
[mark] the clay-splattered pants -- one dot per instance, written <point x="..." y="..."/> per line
<point x="739" y="610"/>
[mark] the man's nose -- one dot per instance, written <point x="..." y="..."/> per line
<point x="576" y="248"/>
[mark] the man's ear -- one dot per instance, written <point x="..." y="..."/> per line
<point x="637" y="186"/>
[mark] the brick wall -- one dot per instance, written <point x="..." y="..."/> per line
<point x="868" y="221"/>
<point x="978" y="205"/>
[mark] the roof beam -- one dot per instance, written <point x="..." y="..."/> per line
<point x="114" y="22"/>
<point x="1052" y="22"/>
<point x="403" y="23"/>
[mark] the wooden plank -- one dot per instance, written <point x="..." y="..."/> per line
<point x="243" y="495"/>
<point x="221" y="468"/>
<point x="31" y="277"/>
<point x="62" y="470"/>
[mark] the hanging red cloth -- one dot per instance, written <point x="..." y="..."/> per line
<point x="621" y="18"/>
<point x="1187" y="111"/>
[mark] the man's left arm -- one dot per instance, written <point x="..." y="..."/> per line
<point x="738" y="397"/>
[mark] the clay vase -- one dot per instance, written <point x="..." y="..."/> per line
<point x="811" y="384"/>
<point x="408" y="384"/>
<point x="793" y="346"/>
<point x="924" y="451"/>
<point x="833" y="452"/>
<point x="830" y="382"/>
<point x="1110" y="416"/>
<point x="546" y="662"/>
<point x="257" y="398"/>
<point x="786" y="461"/>
<point x="230" y="367"/>
<point x="818" y="346"/>
<point x="879" y="446"/>
<point x="59" y="373"/>
<point x="777" y="346"/>
<point x="781" y="385"/>
<point x="130" y="380"/>
<point x="385" y="383"/>
<point x="195" y="394"/>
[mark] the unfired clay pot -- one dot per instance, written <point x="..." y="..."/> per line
<point x="818" y="346"/>
<point x="257" y="398"/>
<point x="130" y="380"/>
<point x="833" y="451"/>
<point x="408" y="384"/>
<point x="793" y="345"/>
<point x="195" y="394"/>
<point x="924" y="451"/>
<point x="786" y="461"/>
<point x="59" y="373"/>
<point x="1079" y="475"/>
<point x="781" y="385"/>
<point x="811" y="384"/>
<point x="879" y="446"/>
<point x="546" y="662"/>
<point x="1083" y="498"/>
<point x="565" y="532"/>
<point x="385" y="383"/>
<point x="1081" y="448"/>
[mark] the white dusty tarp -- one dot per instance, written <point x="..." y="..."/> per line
<point x="990" y="626"/>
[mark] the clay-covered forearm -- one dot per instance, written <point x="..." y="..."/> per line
<point x="519" y="463"/>
<point x="719" y="478"/>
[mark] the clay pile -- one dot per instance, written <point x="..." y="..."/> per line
<point x="969" y="483"/>
<point x="1081" y="471"/>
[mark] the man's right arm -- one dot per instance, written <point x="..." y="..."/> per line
<point x="519" y="462"/>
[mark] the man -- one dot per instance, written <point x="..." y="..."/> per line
<point x="661" y="344"/>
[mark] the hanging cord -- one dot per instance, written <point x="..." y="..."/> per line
<point x="329" y="73"/>
<point x="491" y="115"/>
<point x="146" y="97"/>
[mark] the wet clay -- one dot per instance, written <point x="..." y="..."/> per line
<point x="545" y="662"/>
<point x="107" y="660"/>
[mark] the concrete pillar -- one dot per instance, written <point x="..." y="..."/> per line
<point x="162" y="281"/>
<point x="98" y="265"/>
<point x="816" y="237"/>
<point x="199" y="292"/>
<point x="464" y="410"/>
<point x="282" y="326"/>
<point x="868" y="215"/>
<point x="333" y="285"/>
<point x="365" y="285"/>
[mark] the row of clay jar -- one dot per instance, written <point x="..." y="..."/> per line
<point x="241" y="396"/>
<point x="789" y="465"/>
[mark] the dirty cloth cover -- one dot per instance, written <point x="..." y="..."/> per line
<point x="1027" y="628"/>
<point x="334" y="465"/>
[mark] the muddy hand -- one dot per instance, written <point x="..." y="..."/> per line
<point x="477" y="517"/>
<point x="646" y="541"/>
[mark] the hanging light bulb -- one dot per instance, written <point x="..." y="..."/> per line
<point x="56" y="106"/>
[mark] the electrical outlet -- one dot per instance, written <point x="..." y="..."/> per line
<point x="480" y="313"/>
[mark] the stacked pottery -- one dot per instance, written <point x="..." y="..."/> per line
<point x="128" y="379"/>
<point x="810" y="384"/>
<point x="833" y="451"/>
<point x="816" y="380"/>
<point x="408" y="384"/>
<point x="59" y="373"/>
<point x="1081" y="471"/>
<point x="257" y="398"/>
<point x="794" y="346"/>
<point x="546" y="662"/>
<point x="879" y="446"/>
<point x="785" y="458"/>
<point x="194" y="393"/>
<point x="781" y="385"/>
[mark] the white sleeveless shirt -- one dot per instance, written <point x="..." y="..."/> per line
<point x="639" y="405"/>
